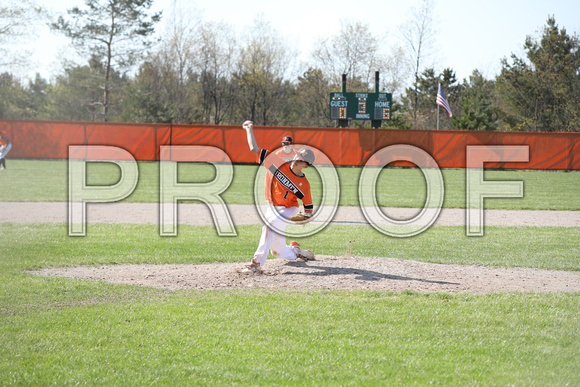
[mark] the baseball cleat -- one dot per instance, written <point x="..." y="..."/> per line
<point x="252" y="268"/>
<point x="303" y="254"/>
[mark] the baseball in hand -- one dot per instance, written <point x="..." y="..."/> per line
<point x="248" y="125"/>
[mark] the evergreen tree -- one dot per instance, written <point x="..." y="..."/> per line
<point x="14" y="98"/>
<point x="75" y="94"/>
<point x="419" y="100"/>
<point x="144" y="102"/>
<point x="477" y="101"/>
<point x="308" y="105"/>
<point x="543" y="93"/>
<point x="38" y="97"/>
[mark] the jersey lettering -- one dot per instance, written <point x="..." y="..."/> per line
<point x="284" y="187"/>
<point x="285" y="181"/>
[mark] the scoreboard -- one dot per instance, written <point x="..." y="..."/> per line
<point x="360" y="106"/>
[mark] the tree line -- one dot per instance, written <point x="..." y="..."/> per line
<point x="201" y="72"/>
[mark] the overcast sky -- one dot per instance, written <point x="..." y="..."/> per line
<point x="471" y="34"/>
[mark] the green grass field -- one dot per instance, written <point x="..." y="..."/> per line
<point x="56" y="331"/>
<point x="32" y="180"/>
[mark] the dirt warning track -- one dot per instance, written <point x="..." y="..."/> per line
<point x="244" y="214"/>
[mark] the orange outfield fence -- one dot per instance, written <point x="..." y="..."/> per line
<point x="343" y="146"/>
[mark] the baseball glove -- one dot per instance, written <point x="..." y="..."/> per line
<point x="301" y="217"/>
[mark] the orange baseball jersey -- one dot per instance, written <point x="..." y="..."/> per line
<point x="286" y="186"/>
<point x="287" y="158"/>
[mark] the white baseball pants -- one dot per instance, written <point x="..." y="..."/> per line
<point x="271" y="240"/>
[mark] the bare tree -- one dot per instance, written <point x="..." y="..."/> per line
<point x="265" y="62"/>
<point x="353" y="51"/>
<point x="115" y="31"/>
<point x="175" y="60"/>
<point x="418" y="35"/>
<point x="216" y="59"/>
<point x="393" y="71"/>
<point x="17" y="21"/>
<point x="193" y="67"/>
<point x="358" y="52"/>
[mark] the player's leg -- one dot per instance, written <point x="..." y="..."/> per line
<point x="272" y="240"/>
<point x="294" y="251"/>
<point x="3" y="156"/>
<point x="268" y="236"/>
<point x="279" y="247"/>
<point x="255" y="267"/>
<point x="281" y="250"/>
<point x="261" y="253"/>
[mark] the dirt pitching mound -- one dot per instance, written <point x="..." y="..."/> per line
<point x="331" y="272"/>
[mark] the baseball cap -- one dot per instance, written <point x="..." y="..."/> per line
<point x="287" y="140"/>
<point x="305" y="155"/>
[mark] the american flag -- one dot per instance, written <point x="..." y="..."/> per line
<point x="442" y="101"/>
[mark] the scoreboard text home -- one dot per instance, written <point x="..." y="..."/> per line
<point x="360" y="106"/>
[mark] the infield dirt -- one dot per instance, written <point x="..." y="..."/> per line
<point x="327" y="272"/>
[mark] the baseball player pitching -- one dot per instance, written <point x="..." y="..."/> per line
<point x="288" y="184"/>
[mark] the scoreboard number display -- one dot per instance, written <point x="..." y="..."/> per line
<point x="360" y="106"/>
<point x="338" y="105"/>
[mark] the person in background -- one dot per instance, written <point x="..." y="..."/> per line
<point x="5" y="146"/>
<point x="287" y="151"/>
